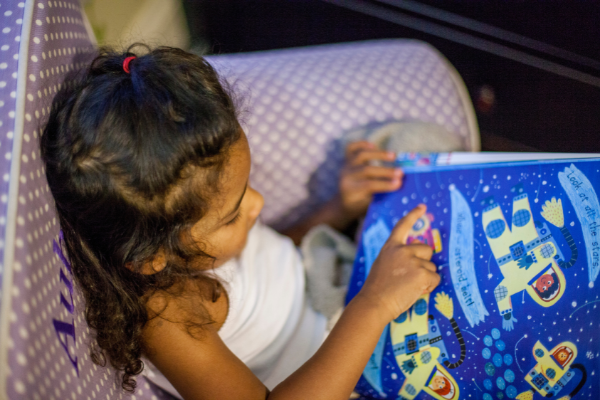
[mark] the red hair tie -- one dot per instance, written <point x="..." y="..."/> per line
<point x="126" y="63"/>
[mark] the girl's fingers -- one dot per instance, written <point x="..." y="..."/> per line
<point x="373" y="172"/>
<point x="433" y="280"/>
<point x="380" y="186"/>
<point x="400" y="231"/>
<point x="365" y="156"/>
<point x="355" y="147"/>
<point x="422" y="251"/>
<point x="428" y="265"/>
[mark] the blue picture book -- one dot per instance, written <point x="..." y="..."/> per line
<point x="517" y="313"/>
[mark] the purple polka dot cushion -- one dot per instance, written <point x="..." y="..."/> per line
<point x="43" y="335"/>
<point x="301" y="102"/>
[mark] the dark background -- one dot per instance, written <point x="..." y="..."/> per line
<point x="533" y="109"/>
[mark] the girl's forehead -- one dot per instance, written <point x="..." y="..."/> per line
<point x="233" y="179"/>
<point x="236" y="169"/>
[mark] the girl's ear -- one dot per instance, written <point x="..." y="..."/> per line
<point x="153" y="265"/>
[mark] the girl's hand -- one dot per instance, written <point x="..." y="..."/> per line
<point x="359" y="180"/>
<point x="361" y="177"/>
<point x="401" y="273"/>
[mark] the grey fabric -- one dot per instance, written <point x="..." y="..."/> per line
<point x="328" y="257"/>
<point x="408" y="137"/>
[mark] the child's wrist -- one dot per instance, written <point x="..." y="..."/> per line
<point x="340" y="218"/>
<point x="372" y="306"/>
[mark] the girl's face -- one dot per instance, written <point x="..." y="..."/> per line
<point x="233" y="211"/>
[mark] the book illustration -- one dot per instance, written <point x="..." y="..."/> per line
<point x="553" y="371"/>
<point x="372" y="371"/>
<point x="373" y="240"/>
<point x="498" y="366"/>
<point x="462" y="259"/>
<point x="525" y="260"/>
<point x="518" y="248"/>
<point x="420" y="352"/>
<point x="441" y="386"/>
<point x="415" y="159"/>
<point x="553" y="213"/>
<point x="444" y="304"/>
<point x="585" y="202"/>
<point x="422" y="232"/>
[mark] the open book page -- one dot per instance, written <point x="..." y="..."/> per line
<point x="517" y="312"/>
<point x="462" y="158"/>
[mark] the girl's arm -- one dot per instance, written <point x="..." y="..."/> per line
<point x="335" y="368"/>
<point x="205" y="368"/>
<point x="360" y="178"/>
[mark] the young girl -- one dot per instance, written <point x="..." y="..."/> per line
<point x="149" y="170"/>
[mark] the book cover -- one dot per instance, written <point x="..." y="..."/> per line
<point x="516" y="313"/>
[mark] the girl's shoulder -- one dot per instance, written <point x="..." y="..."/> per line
<point x="187" y="306"/>
<point x="194" y="359"/>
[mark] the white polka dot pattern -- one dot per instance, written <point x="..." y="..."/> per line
<point x="302" y="101"/>
<point x="48" y="337"/>
<point x="11" y="17"/>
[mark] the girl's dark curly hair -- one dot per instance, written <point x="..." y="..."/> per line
<point x="120" y="151"/>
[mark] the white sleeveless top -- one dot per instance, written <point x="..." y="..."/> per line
<point x="270" y="325"/>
